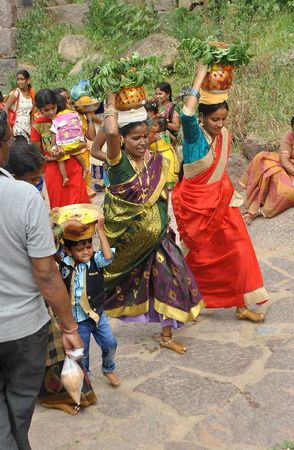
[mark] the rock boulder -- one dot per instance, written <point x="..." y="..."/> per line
<point x="253" y="145"/>
<point x="79" y="65"/>
<point x="73" y="47"/>
<point x="156" y="44"/>
<point x="71" y="14"/>
<point x="236" y="166"/>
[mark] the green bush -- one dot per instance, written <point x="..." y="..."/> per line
<point x="37" y="44"/>
<point x="110" y="23"/>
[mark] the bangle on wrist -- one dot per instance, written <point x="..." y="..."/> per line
<point x="90" y="120"/>
<point x="73" y="330"/>
<point x="194" y="93"/>
<point x="110" y="112"/>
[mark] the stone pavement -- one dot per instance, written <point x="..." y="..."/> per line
<point x="233" y="390"/>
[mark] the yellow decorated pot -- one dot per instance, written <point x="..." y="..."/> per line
<point x="130" y="98"/>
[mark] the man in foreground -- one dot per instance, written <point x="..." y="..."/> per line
<point x="27" y="274"/>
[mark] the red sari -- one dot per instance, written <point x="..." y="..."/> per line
<point x="219" y="250"/>
<point x="75" y="191"/>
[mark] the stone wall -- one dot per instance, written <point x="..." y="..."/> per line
<point x="10" y="11"/>
<point x="7" y="38"/>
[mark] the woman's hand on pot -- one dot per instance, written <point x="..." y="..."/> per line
<point x="200" y="73"/>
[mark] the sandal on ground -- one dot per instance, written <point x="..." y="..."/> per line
<point x="170" y="343"/>
<point x="112" y="378"/>
<point x="247" y="314"/>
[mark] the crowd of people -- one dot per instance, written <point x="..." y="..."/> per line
<point x="140" y="274"/>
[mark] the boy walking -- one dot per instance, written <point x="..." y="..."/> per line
<point x="82" y="272"/>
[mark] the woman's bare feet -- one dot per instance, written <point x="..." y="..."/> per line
<point x="112" y="378"/>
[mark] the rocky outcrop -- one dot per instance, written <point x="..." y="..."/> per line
<point x="253" y="145"/>
<point x="69" y="13"/>
<point x="79" y="65"/>
<point x="236" y="166"/>
<point x="73" y="47"/>
<point x="156" y="44"/>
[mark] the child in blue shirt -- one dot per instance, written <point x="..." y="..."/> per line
<point x="82" y="272"/>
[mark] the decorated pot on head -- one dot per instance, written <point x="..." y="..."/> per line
<point x="86" y="104"/>
<point x="220" y="78"/>
<point x="132" y="97"/>
<point x="83" y="212"/>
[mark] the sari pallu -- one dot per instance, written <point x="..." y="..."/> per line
<point x="269" y="188"/>
<point x="148" y="279"/>
<point x="219" y="250"/>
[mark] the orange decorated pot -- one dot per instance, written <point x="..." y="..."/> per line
<point x="130" y="98"/>
<point x="219" y="79"/>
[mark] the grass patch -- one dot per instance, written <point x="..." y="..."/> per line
<point x="287" y="445"/>
<point x="260" y="100"/>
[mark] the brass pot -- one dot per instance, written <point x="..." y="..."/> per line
<point x="220" y="78"/>
<point x="130" y="98"/>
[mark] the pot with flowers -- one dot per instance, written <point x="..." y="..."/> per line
<point x="221" y="58"/>
<point x="126" y="78"/>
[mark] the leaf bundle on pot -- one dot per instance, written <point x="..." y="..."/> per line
<point x="235" y="54"/>
<point x="126" y="72"/>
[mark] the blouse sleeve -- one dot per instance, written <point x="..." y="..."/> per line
<point x="195" y="145"/>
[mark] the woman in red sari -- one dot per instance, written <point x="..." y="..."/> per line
<point x="59" y="195"/>
<point x="219" y="251"/>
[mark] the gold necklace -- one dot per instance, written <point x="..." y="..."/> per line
<point x="138" y="170"/>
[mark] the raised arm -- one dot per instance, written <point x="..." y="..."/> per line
<point x="111" y="128"/>
<point x="105" y="247"/>
<point x="191" y="101"/>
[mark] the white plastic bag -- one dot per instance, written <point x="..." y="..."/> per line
<point x="72" y="378"/>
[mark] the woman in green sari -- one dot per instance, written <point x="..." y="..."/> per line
<point x="148" y="280"/>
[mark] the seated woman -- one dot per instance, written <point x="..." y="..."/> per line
<point x="269" y="181"/>
<point x="26" y="163"/>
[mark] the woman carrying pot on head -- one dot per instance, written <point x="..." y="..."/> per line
<point x="148" y="280"/>
<point x="219" y="251"/>
<point x="167" y="109"/>
<point x="269" y="181"/>
<point x="20" y="104"/>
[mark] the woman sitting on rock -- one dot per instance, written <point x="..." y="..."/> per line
<point x="269" y="181"/>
